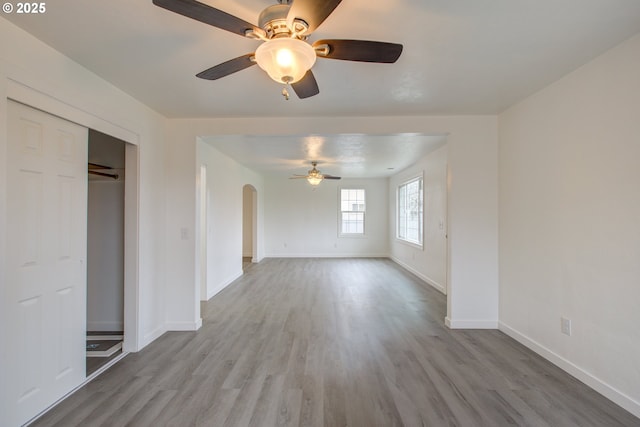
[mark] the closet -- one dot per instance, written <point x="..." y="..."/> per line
<point x="105" y="250"/>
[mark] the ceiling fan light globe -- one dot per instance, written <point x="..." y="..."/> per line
<point x="286" y="60"/>
<point x="314" y="180"/>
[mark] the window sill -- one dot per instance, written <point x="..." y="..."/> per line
<point x="411" y="244"/>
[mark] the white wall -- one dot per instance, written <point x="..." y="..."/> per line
<point x="226" y="180"/>
<point x="247" y="221"/>
<point x="569" y="222"/>
<point x="429" y="262"/>
<point x="105" y="236"/>
<point x="302" y="220"/>
<point x="35" y="74"/>
<point x="472" y="297"/>
<point x="105" y="255"/>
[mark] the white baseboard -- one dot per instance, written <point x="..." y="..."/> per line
<point x="470" y="324"/>
<point x="184" y="326"/>
<point x="109" y="337"/>
<point x="423" y="277"/>
<point x="104" y="326"/>
<point x="152" y="336"/>
<point x="213" y="292"/>
<point x="595" y="383"/>
<point x="326" y="255"/>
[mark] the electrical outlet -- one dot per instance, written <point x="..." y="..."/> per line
<point x="565" y="326"/>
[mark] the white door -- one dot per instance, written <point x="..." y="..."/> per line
<point x="46" y="252"/>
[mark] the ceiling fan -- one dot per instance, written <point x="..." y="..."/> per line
<point x="314" y="177"/>
<point x="285" y="54"/>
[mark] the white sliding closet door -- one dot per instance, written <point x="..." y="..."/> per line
<point x="46" y="261"/>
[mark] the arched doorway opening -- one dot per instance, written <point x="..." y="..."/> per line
<point x="249" y="225"/>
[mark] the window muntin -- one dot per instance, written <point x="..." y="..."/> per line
<point x="410" y="214"/>
<point x="352" y="211"/>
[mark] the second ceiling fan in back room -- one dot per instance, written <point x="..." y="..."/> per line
<point x="285" y="53"/>
<point x="314" y="177"/>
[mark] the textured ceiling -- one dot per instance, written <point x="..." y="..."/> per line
<point x="460" y="57"/>
<point x="346" y="155"/>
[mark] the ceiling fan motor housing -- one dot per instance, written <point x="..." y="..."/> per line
<point x="273" y="20"/>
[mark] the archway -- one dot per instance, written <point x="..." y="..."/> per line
<point x="249" y="225"/>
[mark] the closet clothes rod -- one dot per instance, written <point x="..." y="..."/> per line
<point x="98" y="166"/>
<point x="109" y="175"/>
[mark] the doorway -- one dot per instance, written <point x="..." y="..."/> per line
<point x="105" y="250"/>
<point x="249" y="226"/>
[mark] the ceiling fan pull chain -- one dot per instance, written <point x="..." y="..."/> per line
<point x="285" y="93"/>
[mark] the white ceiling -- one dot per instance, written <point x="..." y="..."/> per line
<point x="345" y="155"/>
<point x="460" y="57"/>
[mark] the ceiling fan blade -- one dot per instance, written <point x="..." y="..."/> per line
<point x="306" y="87"/>
<point x="207" y="14"/>
<point x="358" y="50"/>
<point x="313" y="12"/>
<point x="231" y="66"/>
<point x="331" y="177"/>
<point x="298" y="177"/>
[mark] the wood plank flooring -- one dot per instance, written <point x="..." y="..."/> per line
<point x="333" y="342"/>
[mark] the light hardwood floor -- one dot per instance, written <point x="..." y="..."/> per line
<point x="333" y="342"/>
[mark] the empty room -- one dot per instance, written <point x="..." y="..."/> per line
<point x="320" y="213"/>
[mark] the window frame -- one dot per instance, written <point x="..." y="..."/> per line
<point x="418" y="244"/>
<point x="341" y="212"/>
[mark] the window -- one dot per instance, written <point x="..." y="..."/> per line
<point x="410" y="211"/>
<point x="352" y="208"/>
